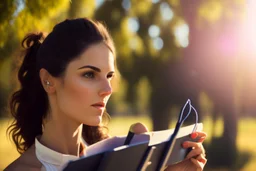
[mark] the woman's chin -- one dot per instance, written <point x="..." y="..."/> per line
<point x="94" y="122"/>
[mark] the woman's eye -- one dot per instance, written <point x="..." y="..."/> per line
<point x="89" y="75"/>
<point x="110" y="76"/>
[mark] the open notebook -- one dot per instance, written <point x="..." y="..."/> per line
<point x="147" y="151"/>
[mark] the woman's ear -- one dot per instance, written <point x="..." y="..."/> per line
<point x="47" y="81"/>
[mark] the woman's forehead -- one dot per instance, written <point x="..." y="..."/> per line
<point x="98" y="55"/>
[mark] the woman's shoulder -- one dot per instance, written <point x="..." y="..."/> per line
<point x="27" y="161"/>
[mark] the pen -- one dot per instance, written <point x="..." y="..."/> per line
<point x="129" y="137"/>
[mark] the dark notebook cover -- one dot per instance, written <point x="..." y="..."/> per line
<point x="126" y="159"/>
<point x="89" y="164"/>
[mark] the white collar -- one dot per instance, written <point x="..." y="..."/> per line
<point x="48" y="155"/>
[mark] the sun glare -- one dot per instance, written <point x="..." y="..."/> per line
<point x="249" y="30"/>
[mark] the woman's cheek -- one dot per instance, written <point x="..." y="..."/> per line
<point x="74" y="97"/>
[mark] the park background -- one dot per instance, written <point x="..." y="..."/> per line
<point x="167" y="51"/>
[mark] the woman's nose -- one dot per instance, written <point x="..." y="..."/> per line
<point x="106" y="88"/>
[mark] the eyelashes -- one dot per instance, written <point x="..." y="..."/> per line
<point x="92" y="75"/>
<point x="110" y="76"/>
<point x="89" y="74"/>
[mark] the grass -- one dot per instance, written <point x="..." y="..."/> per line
<point x="120" y="125"/>
<point x="246" y="141"/>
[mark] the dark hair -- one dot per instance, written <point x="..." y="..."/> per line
<point x="29" y="105"/>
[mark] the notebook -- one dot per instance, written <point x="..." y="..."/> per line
<point x="149" y="151"/>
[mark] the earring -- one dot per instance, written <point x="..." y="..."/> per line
<point x="47" y="83"/>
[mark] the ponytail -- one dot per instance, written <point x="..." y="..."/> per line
<point x="28" y="105"/>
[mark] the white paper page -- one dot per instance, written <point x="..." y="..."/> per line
<point x="153" y="138"/>
<point x="162" y="136"/>
<point x="114" y="142"/>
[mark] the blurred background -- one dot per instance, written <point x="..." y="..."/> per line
<point x="167" y="51"/>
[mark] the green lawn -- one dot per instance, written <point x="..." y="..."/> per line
<point x="120" y="125"/>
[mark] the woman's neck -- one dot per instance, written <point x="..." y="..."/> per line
<point x="62" y="136"/>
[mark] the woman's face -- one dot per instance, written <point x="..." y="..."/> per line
<point x="84" y="93"/>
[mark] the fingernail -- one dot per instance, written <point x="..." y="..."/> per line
<point x="193" y="135"/>
<point x="201" y="160"/>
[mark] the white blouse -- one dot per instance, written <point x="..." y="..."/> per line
<point x="50" y="159"/>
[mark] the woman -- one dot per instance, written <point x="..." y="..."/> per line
<point x="65" y="85"/>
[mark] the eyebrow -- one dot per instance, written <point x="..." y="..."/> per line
<point x="91" y="67"/>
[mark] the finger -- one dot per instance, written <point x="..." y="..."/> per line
<point x="198" y="164"/>
<point x="201" y="139"/>
<point x="193" y="145"/>
<point x="197" y="148"/>
<point x="138" y="128"/>
<point x="188" y="144"/>
<point x="193" y="153"/>
<point x="199" y="135"/>
<point x="201" y="158"/>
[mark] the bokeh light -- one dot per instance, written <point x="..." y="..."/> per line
<point x="158" y="43"/>
<point x="133" y="24"/>
<point x="166" y="11"/>
<point x="181" y="33"/>
<point x="153" y="31"/>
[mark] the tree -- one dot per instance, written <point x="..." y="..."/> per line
<point x="174" y="78"/>
<point x="17" y="18"/>
<point x="216" y="74"/>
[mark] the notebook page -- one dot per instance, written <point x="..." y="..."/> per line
<point x="114" y="142"/>
<point x="162" y="136"/>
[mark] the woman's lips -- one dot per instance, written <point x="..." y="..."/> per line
<point x="99" y="105"/>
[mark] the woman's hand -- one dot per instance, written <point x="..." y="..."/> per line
<point x="195" y="160"/>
